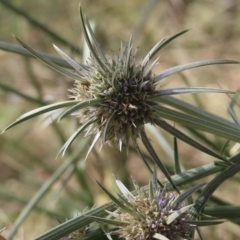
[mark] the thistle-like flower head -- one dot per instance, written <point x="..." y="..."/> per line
<point x="122" y="90"/>
<point x="121" y="95"/>
<point x="154" y="213"/>
<point x="114" y="97"/>
<point x="117" y="96"/>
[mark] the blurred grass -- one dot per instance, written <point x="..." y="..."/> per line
<point x="27" y="152"/>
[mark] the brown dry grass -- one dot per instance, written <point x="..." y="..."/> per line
<point x="27" y="152"/>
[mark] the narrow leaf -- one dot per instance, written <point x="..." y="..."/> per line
<point x="6" y="46"/>
<point x="177" y="213"/>
<point x="113" y="214"/>
<point x="71" y="62"/>
<point x="175" y="91"/>
<point x="214" y="184"/>
<point x="163" y="42"/>
<point x="97" y="136"/>
<point x="51" y="64"/>
<point x="96" y="45"/>
<point x="93" y="51"/>
<point x="143" y="158"/>
<point x="126" y="202"/>
<point x="151" y="53"/>
<point x="178" y="134"/>
<point x="156" y="159"/>
<point x="149" y="69"/>
<point x="127" y="194"/>
<point x="183" y="196"/>
<point x="154" y="178"/>
<point x="180" y="68"/>
<point x="129" y="51"/>
<point x="40" y="111"/>
<point x="199" y="113"/>
<point x="118" y="203"/>
<point x="106" y="127"/>
<point x="80" y="105"/>
<point x="74" y="136"/>
<point x="115" y="80"/>
<point x="203" y="124"/>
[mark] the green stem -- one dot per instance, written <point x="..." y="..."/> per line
<point x="223" y="211"/>
<point x="214" y="184"/>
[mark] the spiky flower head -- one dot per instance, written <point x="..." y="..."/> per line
<point x="114" y="97"/>
<point x="154" y="214"/>
<point x="124" y="89"/>
<point x="117" y="96"/>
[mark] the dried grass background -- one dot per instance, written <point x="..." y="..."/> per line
<point x="27" y="152"/>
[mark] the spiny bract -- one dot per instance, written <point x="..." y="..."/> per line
<point x="156" y="213"/>
<point x="124" y="89"/>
